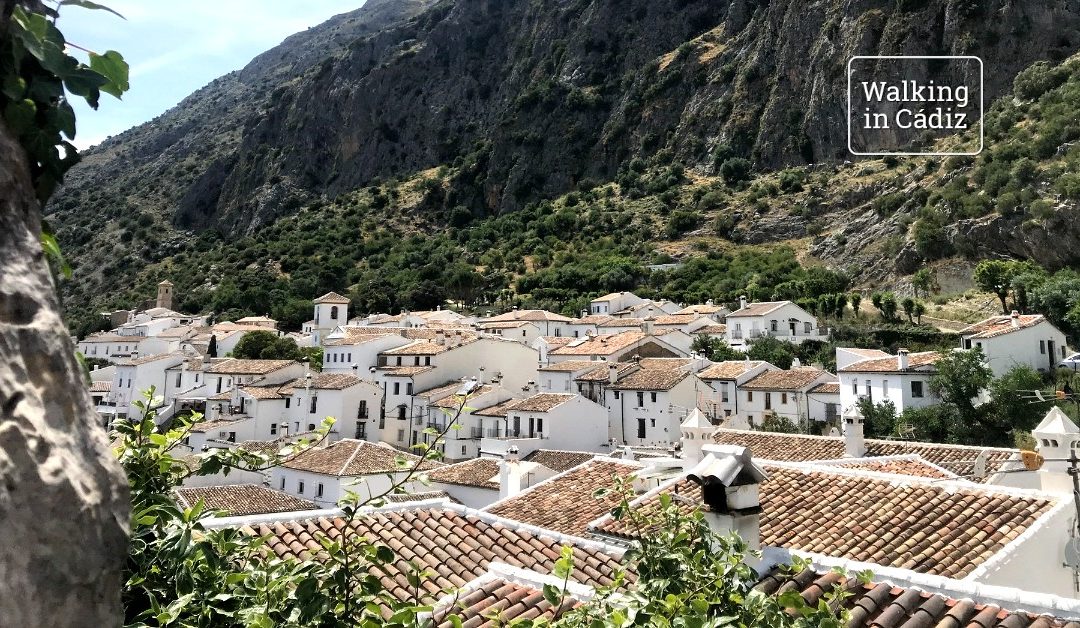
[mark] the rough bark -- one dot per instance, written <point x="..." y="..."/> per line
<point x="63" y="497"/>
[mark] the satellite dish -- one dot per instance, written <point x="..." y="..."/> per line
<point x="1072" y="554"/>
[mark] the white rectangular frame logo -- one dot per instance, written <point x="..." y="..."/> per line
<point x="910" y="154"/>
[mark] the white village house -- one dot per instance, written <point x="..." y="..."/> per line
<point x="903" y="379"/>
<point x="778" y="319"/>
<point x="1008" y="341"/>
<point x="784" y="393"/>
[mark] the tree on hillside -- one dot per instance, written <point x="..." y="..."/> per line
<point x="773" y="350"/>
<point x="994" y="275"/>
<point x="211" y="347"/>
<point x="856" y="301"/>
<point x="885" y="302"/>
<point x="266" y="345"/>
<point x="1010" y="410"/>
<point x="924" y="280"/>
<point x="959" y="379"/>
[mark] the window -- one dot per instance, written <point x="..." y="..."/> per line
<point x="768" y="401"/>
<point x="652" y="422"/>
<point x="273" y="429"/>
<point x="314" y="403"/>
<point x="178" y="380"/>
<point x="401" y="413"/>
<point x="783" y="398"/>
<point x="749" y="395"/>
<point x="641" y="428"/>
<point x="300" y="487"/>
<point x="517" y="426"/>
<point x="885" y="388"/>
<point x="333" y="312"/>
<point x="916" y="389"/>
<point x="854" y="386"/>
<point x="219" y="384"/>
<point x="1042" y="347"/>
<point x="311" y="427"/>
<point x="427" y="360"/>
<point x="288" y="401"/>
<point x="397" y="388"/>
<point x="401" y="435"/>
<point x="523" y="333"/>
<point x="197" y="375"/>
<point x="348" y="357"/>
<point x="232" y="437"/>
<point x="416" y="361"/>
<point x="868" y="388"/>
<point x="540" y="425"/>
<point x="318" y="490"/>
<point x="408" y="388"/>
<point x="616" y="394"/>
<point x="772" y="325"/>
<point x="806" y="328"/>
<point x="399" y="360"/>
<point x="283" y="484"/>
<point x="463" y="450"/>
<point x="652" y="397"/>
<point x="641" y="400"/>
<point x="724" y="392"/>
<point x="362" y="412"/>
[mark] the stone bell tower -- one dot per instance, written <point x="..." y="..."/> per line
<point x="165" y="294"/>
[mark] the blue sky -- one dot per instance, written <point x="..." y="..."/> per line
<point x="174" y="48"/>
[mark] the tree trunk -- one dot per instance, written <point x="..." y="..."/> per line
<point x="64" y="505"/>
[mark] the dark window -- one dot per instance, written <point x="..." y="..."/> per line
<point x="318" y="490"/>
<point x="652" y="397"/>
<point x="641" y="428"/>
<point x="783" y="398"/>
<point x="616" y="394"/>
<point x="300" y="487"/>
<point x="916" y="389"/>
<point x="283" y="484"/>
<point x="641" y="400"/>
<point x="416" y="361"/>
<point x="288" y="401"/>
<point x="749" y="395"/>
<point x="333" y="312"/>
<point x="540" y="425"/>
<point x="408" y="388"/>
<point x="768" y="401"/>
<point x="314" y="403"/>
<point x="178" y="376"/>
<point x="399" y="361"/>
<point x="232" y="437"/>
<point x="362" y="412"/>
<point x="401" y="413"/>
<point x="427" y="360"/>
<point x="273" y="429"/>
<point x="1042" y="347"/>
<point x="311" y="427"/>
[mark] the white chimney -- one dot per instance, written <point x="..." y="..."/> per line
<point x="627" y="452"/>
<point x="730" y="483"/>
<point x="854" y="442"/>
<point x="1015" y="316"/>
<point x="480" y="379"/>
<point x="709" y="302"/>
<point x="584" y="313"/>
<point x="440" y="337"/>
<point x="796" y="363"/>
<point x="695" y="432"/>
<point x="902" y="360"/>
<point x="613" y="373"/>
<point x="509" y="474"/>
<point x="647" y="325"/>
<point x="742" y="302"/>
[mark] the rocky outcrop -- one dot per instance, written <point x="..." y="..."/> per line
<point x="63" y="497"/>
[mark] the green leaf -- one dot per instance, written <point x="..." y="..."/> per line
<point x="552" y="594"/>
<point x="93" y="6"/>
<point x="52" y="250"/>
<point x="112" y="66"/>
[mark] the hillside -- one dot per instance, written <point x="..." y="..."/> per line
<point x="548" y="149"/>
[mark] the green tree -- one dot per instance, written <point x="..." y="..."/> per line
<point x="735" y="170"/>
<point x="879" y="419"/>
<point x="959" y="379"/>
<point x="774" y="422"/>
<point x="211" y="347"/>
<point x="715" y="349"/>
<point x="266" y="345"/>
<point x="773" y="350"/>
<point x="1011" y="410"/>
<point x="856" y="301"/>
<point x="885" y="302"/>
<point x="919" y="310"/>
<point x="924" y="280"/>
<point x="909" y="309"/>
<point x="994" y="275"/>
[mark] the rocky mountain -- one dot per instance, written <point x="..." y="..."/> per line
<point x="525" y="100"/>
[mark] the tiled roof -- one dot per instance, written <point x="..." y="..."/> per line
<point x="655" y="374"/>
<point x="711" y="330"/>
<point x="866" y="353"/>
<point x="453" y="401"/>
<point x="241" y="499"/>
<point x="109" y="337"/>
<point x="256" y="320"/>
<point x="234" y="366"/>
<point x="883" y="605"/>
<point x="565" y="503"/>
<point x="100" y="386"/>
<point x="914" y="524"/>
<point x="432" y="347"/>
<point x="503" y="324"/>
<point x="602" y="344"/>
<point x="528" y="315"/>
<point x="890" y="364"/>
<point x="621" y="322"/>
<point x="569" y="366"/>
<point x="477" y="472"/>
<point x="258" y="392"/>
<point x="759" y="309"/>
<point x="701" y="309"/>
<point x="609" y="297"/>
<point x="325" y="381"/>
<point x="557" y="341"/>
<point x="146" y="359"/>
<point x="559" y="460"/>
<point x="729" y="369"/>
<point x="958" y="459"/>
<point x="498" y="602"/>
<point x="541" y="402"/>
<point x="455" y="547"/>
<point x="795" y="378"/>
<point x="203" y="427"/>
<point x="498" y="410"/>
<point x="676" y="319"/>
<point x="331" y="297"/>
<point x="909" y="464"/>
<point x="405" y="371"/>
<point x="602" y="372"/>
<point x="404" y="498"/>
<point x="827" y="388"/>
<point x="593" y="319"/>
<point x="1000" y="325"/>
<point x="351" y="457"/>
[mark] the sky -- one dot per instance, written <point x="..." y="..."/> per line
<point x="174" y="48"/>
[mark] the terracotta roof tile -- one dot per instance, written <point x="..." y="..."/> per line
<point x="890" y="364"/>
<point x="559" y="460"/>
<point x="432" y="347"/>
<point x="540" y="402"/>
<point x="477" y="472"/>
<point x="528" y="315"/>
<point x="234" y="366"/>
<point x="911" y="465"/>
<point x="203" y="427"/>
<point x="100" y="386"/>
<point x="883" y="605"/>
<point x="711" y="330"/>
<point x="241" y="499"/>
<point x="676" y="319"/>
<point x="324" y="381"/>
<point x="911" y="524"/>
<point x="497" y="602"/>
<point x="958" y="459"/>
<point x="570" y="366"/>
<point x="405" y="371"/>
<point x="729" y="369"/>
<point x="603" y="371"/>
<point x="655" y="374"/>
<point x="795" y="378"/>
<point x="759" y="309"/>
<point x="331" y="297"/>
<point x="455" y="547"/>
<point x="827" y="388"/>
<point x="1001" y="325"/>
<point x="702" y="309"/>
<point x="602" y="344"/>
<point x="452" y="401"/>
<point x="565" y="503"/>
<point x="351" y="457"/>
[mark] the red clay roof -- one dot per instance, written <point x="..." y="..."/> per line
<point x="891" y="363"/>
<point x="795" y="378"/>
<point x="241" y="499"/>
<point x="1001" y="325"/>
<point x="729" y="369"/>
<point x="350" y="457"/>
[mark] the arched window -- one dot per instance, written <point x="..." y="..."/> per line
<point x="333" y="312"/>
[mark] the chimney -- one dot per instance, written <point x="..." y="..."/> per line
<point x="709" y="302"/>
<point x="742" y="302"/>
<point x="695" y="432"/>
<point x="612" y="373"/>
<point x="796" y="363"/>
<point x="647" y="325"/>
<point x="509" y="474"/>
<point x="730" y="483"/>
<point x="627" y="452"/>
<point x="854" y="442"/>
<point x="1015" y="316"/>
<point x="584" y="313"/>
<point x="902" y="360"/>
<point x="440" y="337"/>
